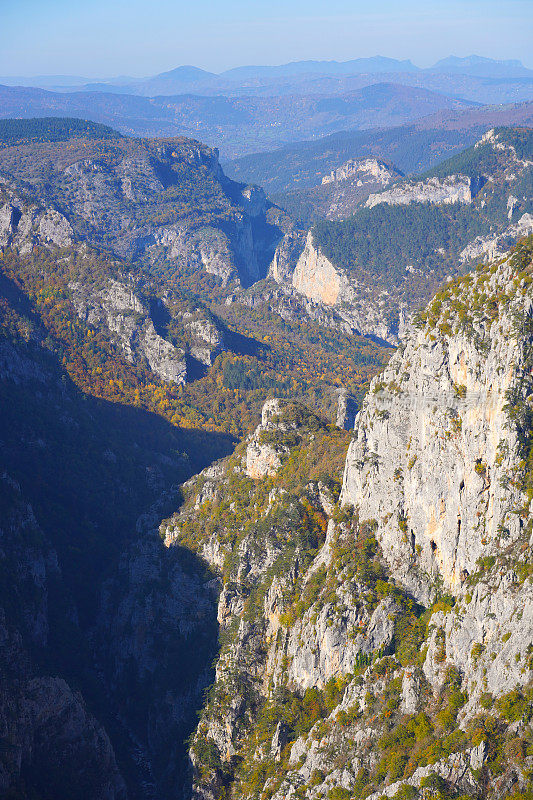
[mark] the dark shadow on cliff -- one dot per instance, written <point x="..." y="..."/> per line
<point x="244" y="345"/>
<point x="156" y="643"/>
<point x="378" y="340"/>
<point x="89" y="468"/>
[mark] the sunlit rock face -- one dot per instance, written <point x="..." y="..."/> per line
<point x="433" y="450"/>
<point x="452" y="189"/>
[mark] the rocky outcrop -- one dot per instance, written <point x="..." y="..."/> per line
<point x="491" y="247"/>
<point x="263" y="453"/>
<point x="452" y="189"/>
<point x="286" y="256"/>
<point x="261" y="459"/>
<point x="131" y="317"/>
<point x="316" y="277"/>
<point x="356" y="306"/>
<point x="24" y="224"/>
<point x="341" y="192"/>
<point x="500" y="144"/>
<point x="364" y="171"/>
<point x="320" y="647"/>
<point x="434" y="462"/>
<point x="127" y="316"/>
<point x="346" y="410"/>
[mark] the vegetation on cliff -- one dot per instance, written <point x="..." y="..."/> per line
<point x="310" y="700"/>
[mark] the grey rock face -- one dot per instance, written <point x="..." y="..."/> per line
<point x="411" y="692"/>
<point x="127" y="316"/>
<point x="433" y="450"/>
<point x="455" y="769"/>
<point x="364" y="170"/>
<point x="24" y="224"/>
<point x="286" y="256"/>
<point x="263" y="458"/>
<point x="279" y="740"/>
<point x="490" y="247"/>
<point x="320" y="281"/>
<point x="432" y="462"/>
<point x="320" y="648"/>
<point x="487" y="637"/>
<point x="452" y="189"/>
<point x="316" y="277"/>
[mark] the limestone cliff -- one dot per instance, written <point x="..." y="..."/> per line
<point x="24" y="223"/>
<point x="316" y="277"/>
<point x="165" y="202"/>
<point x="341" y="192"/>
<point x="120" y="305"/>
<point x="440" y="407"/>
<point x="453" y="189"/>
<point x="381" y="645"/>
<point x="494" y="246"/>
<point x="436" y="461"/>
<point x="365" y="170"/>
<point x="356" y="307"/>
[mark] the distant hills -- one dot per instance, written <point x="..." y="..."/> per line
<point x="235" y="125"/>
<point x="482" y="67"/>
<point x="251" y="109"/>
<point x="252" y="78"/>
<point x="374" y="65"/>
<point x="413" y="148"/>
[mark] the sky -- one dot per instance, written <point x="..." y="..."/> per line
<point x="104" y="38"/>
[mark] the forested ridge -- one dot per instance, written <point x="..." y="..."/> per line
<point x="382" y="241"/>
<point x="482" y="159"/>
<point x="51" y="129"/>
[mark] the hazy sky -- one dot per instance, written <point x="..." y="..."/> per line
<point x="142" y="37"/>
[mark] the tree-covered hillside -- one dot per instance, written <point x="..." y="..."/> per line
<point x="51" y="129"/>
<point x="482" y="158"/>
<point x="381" y="242"/>
<point x="396" y="252"/>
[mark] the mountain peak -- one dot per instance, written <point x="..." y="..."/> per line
<point x="186" y="72"/>
<point x="481" y="66"/>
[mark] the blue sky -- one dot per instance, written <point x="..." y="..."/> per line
<point x="100" y="38"/>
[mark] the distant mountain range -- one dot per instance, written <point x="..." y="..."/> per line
<point x="252" y="109"/>
<point x="235" y="125"/>
<point x="483" y="67"/>
<point x="185" y="79"/>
